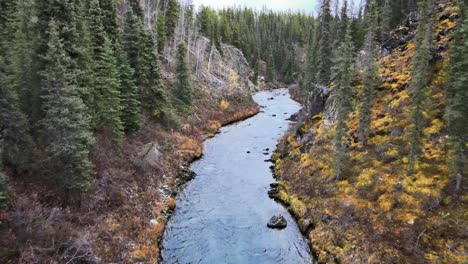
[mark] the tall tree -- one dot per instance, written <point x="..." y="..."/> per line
<point x="106" y="85"/>
<point x="456" y="112"/>
<point x="154" y="98"/>
<point x="324" y="45"/>
<point x="183" y="86"/>
<point x="310" y="72"/>
<point x="17" y="145"/>
<point x="418" y="84"/>
<point x="66" y="131"/>
<point x="342" y="99"/>
<point x="370" y="76"/>
<point x="130" y="99"/>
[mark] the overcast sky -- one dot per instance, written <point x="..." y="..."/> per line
<point x="301" y="5"/>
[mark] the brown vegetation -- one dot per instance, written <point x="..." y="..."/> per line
<point x="122" y="220"/>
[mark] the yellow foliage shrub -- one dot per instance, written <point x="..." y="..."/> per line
<point x="298" y="207"/>
<point x="224" y="104"/>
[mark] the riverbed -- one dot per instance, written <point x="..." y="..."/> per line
<point x="221" y="215"/>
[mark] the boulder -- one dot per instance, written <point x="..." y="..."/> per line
<point x="277" y="222"/>
<point x="149" y="157"/>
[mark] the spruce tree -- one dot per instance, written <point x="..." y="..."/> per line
<point x="172" y="15"/>
<point x="109" y="19"/>
<point x="324" y="45"/>
<point x="183" y="86"/>
<point x="66" y="132"/>
<point x="385" y="21"/>
<point x="106" y="85"/>
<point x="17" y="145"/>
<point x="310" y="73"/>
<point x="131" y="38"/>
<point x="130" y="99"/>
<point x="271" y="69"/>
<point x="456" y="113"/>
<point x="370" y="75"/>
<point x="162" y="33"/>
<point x="342" y="99"/>
<point x="154" y="99"/>
<point x="418" y="84"/>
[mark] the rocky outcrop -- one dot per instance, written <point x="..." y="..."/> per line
<point x="277" y="222"/>
<point x="149" y="157"/>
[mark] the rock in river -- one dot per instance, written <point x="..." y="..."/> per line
<point x="277" y="222"/>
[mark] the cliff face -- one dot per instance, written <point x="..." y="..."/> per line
<point x="376" y="214"/>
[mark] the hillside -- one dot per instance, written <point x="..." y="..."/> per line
<point x="375" y="213"/>
<point x="121" y="218"/>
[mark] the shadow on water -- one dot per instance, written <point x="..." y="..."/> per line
<point x="221" y="215"/>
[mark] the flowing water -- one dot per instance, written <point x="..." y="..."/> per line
<point x="221" y="215"/>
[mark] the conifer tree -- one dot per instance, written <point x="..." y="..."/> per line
<point x="106" y="85"/>
<point x="183" y="86"/>
<point x="342" y="99"/>
<point x="17" y="148"/>
<point x="17" y="145"/>
<point x="271" y="69"/>
<point x="324" y="45"/>
<point x="130" y="39"/>
<point x="172" y="15"/>
<point x="385" y="20"/>
<point x="370" y="76"/>
<point x="418" y="84"/>
<point x="162" y="33"/>
<point x="109" y="19"/>
<point x="456" y="113"/>
<point x="66" y="132"/>
<point x="154" y="98"/>
<point x="310" y="73"/>
<point x="130" y="99"/>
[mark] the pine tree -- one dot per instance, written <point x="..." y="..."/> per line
<point x="457" y="95"/>
<point x="183" y="86"/>
<point x="271" y="69"/>
<point x="17" y="145"/>
<point x="109" y="19"/>
<point x="172" y="15"/>
<point x="66" y="132"/>
<point x="105" y="81"/>
<point x="96" y="28"/>
<point x="418" y="84"/>
<point x="130" y="99"/>
<point x="342" y="99"/>
<point x="310" y="73"/>
<point x="131" y="38"/>
<point x="154" y="99"/>
<point x="370" y="76"/>
<point x="162" y="33"/>
<point x="324" y="45"/>
<point x="385" y="22"/>
<point x="106" y="85"/>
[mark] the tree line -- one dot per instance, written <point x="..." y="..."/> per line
<point x="72" y="69"/>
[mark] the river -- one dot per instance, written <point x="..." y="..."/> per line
<point x="221" y="215"/>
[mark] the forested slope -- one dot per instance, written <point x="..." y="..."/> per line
<point x="374" y="168"/>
